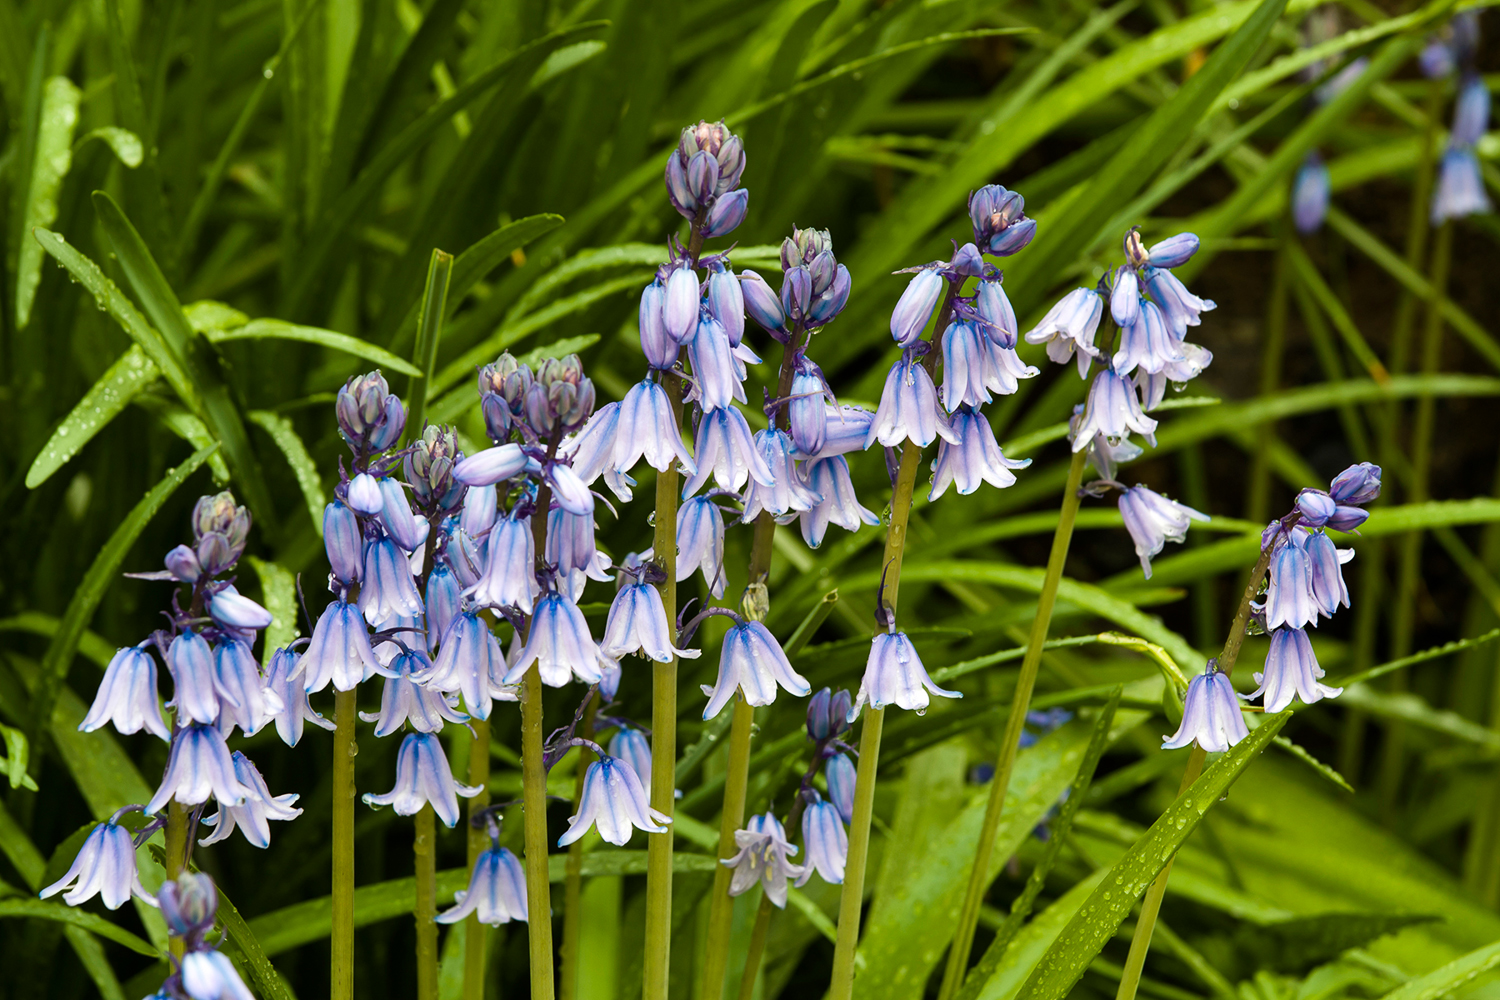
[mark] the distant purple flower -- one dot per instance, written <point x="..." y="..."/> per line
<point x="253" y="815"/>
<point x="763" y="857"/>
<point x="404" y="701"/>
<point x="700" y="543"/>
<point x="423" y="777"/>
<point x="1471" y="113"/>
<point x="894" y="675"/>
<point x="631" y="745"/>
<point x="828" y="478"/>
<point x="751" y="661"/>
<point x="975" y="458"/>
<point x="1340" y="81"/>
<point x="246" y="700"/>
<point x="190" y="660"/>
<point x="496" y="893"/>
<point x="491" y="466"/>
<point x="840" y="775"/>
<point x="827" y="843"/>
<point x="197" y="767"/>
<point x="1210" y="715"/>
<point x="295" y="707"/>
<point x="509" y="578"/>
<point x="1291" y="672"/>
<point x="1113" y="410"/>
<point x="915" y="306"/>
<point x="1310" y="195"/>
<point x="786" y="494"/>
<point x="1153" y="520"/>
<point x="1069" y="327"/>
<point x="726" y="451"/>
<point x="909" y="408"/>
<point x="638" y="623"/>
<point x="339" y="651"/>
<point x="104" y="867"/>
<point x="1460" y="188"/>
<point x="127" y="695"/>
<point x="615" y="802"/>
<point x="559" y="644"/>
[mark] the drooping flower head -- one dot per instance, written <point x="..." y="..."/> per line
<point x="104" y="867"/>
<point x="894" y="675"/>
<point x="763" y="857"/>
<point x="1210" y="714"/>
<point x="615" y="802"/>
<point x="423" y="777"/>
<point x="1153" y="520"/>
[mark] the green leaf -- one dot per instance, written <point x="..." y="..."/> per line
<point x="484" y="256"/>
<point x="269" y="982"/>
<point x="13" y="764"/>
<point x="41" y="909"/>
<point x="275" y="329"/>
<point x="278" y="590"/>
<point x="125" y="144"/>
<point x="1408" y="707"/>
<point x="99" y="578"/>
<point x="1109" y="904"/>
<point x="176" y="418"/>
<point x="1307" y="273"/>
<point x="51" y="161"/>
<point x="429" y="332"/>
<point x="91" y="645"/>
<point x="1450" y="978"/>
<point x="121" y="383"/>
<point x="303" y="467"/>
<point x="1318" y="767"/>
<point x="1295" y="944"/>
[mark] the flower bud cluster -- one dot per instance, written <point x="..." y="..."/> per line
<point x="371" y="417"/>
<point x="703" y="178"/>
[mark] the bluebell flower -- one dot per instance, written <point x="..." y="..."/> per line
<point x="1113" y="409"/>
<point x="295" y="707"/>
<point x="469" y="663"/>
<point x="1325" y="560"/>
<point x="389" y="591"/>
<point x="726" y="301"/>
<point x="909" y="408"/>
<point x="614" y="801"/>
<point x="496" y="893"/>
<point x="844" y="430"/>
<point x="1310" y="195"/>
<point x="894" y="675"/>
<point x="1437" y="59"/>
<point x="404" y="701"/>
<point x="1179" y="307"/>
<point x="423" y="777"/>
<point x="1289" y="595"/>
<point x="559" y="644"/>
<point x="786" y="493"/>
<point x="1153" y="386"/>
<point x="1125" y="297"/>
<point x="1042" y="722"/>
<point x="509" y="578"/>
<point x="343" y="542"/>
<point x="1173" y="251"/>
<point x="1348" y="519"/>
<point x="220" y="529"/>
<point x="197" y="767"/>
<point x="233" y="610"/>
<point x="680" y="308"/>
<point x="210" y="975"/>
<point x="1358" y="484"/>
<point x="631" y="746"/>
<point x="1460" y="188"/>
<point x="828" y="714"/>
<point x="571" y="552"/>
<point x="727" y="213"/>
<point x="999" y="220"/>
<point x="828" y="478"/>
<point x="1316" y="507"/>
<point x="967" y="367"/>
<point x="726" y="451"/>
<point x="190" y="660"/>
<point x="828" y="303"/>
<point x="182" y="562"/>
<point x="914" y="308"/>
<point x="998" y="318"/>
<point x="966" y="262"/>
<point x="408" y="530"/>
<point x="364" y="495"/>
<point x="659" y="348"/>
<point x="1069" y="328"/>
<point x="974" y="458"/>
<point x="1471" y="113"/>
<point x="638" y="623"/>
<point x="751" y="661"/>
<point x="127" y="695"/>
<point x="339" y="651"/>
<point x="796" y="293"/>
<point x="840" y="774"/>
<point x="1147" y="343"/>
<point x="763" y="857"/>
<point x="700" y="543"/>
<point x="707" y="164"/>
<point x="762" y="304"/>
<point x="1103" y="455"/>
<point x="1210" y="715"/>
<point x="592" y="451"/>
<point x="252" y="816"/>
<point x="104" y="867"/>
<point x="444" y="598"/>
<point x="1153" y="520"/>
<point x="246" y="700"/>
<point x="649" y="429"/>
<point x="807" y="415"/>
<point x="1291" y="672"/>
<point x="714" y="374"/>
<point x="827" y="843"/>
<point x="491" y="466"/>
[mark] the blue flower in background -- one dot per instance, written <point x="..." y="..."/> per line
<point x="763" y="857"/>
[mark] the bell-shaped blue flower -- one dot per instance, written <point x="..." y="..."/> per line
<point x="839" y="772"/>
<point x="845" y="430"/>
<point x="1290" y="600"/>
<point x="233" y="610"/>
<point x="1125" y="297"/>
<point x="444" y="597"/>
<point x="509" y="578"/>
<point x="1173" y="251"/>
<point x="726" y="301"/>
<point x="247" y="702"/>
<point x="894" y="675"/>
<point x="364" y="495"/>
<point x="296" y="709"/>
<point x="649" y="429"/>
<point x="1310" y="195"/>
<point x="718" y="383"/>
<point x="614" y="801"/>
<point x="659" y="348"/>
<point x="806" y="413"/>
<point x="1325" y="560"/>
<point x="827" y="843"/>
<point x="786" y="493"/>
<point x="491" y="466"/>
<point x="127" y="695"/>
<point x="631" y="745"/>
<point x="252" y="816"/>
<point x="762" y="304"/>
<point x="997" y="317"/>
<point x="751" y="661"/>
<point x="828" y="479"/>
<point x="469" y="663"/>
<point x="559" y="644"/>
<point x="638" y="624"/>
<point x="343" y="542"/>
<point x="909" y="408"/>
<point x="496" y="893"/>
<point x="190" y="660"/>
<point x="404" y="701"/>
<point x="479" y="511"/>
<point x="197" y="767"/>
<point x="764" y="857"/>
<point x="570" y="492"/>
<point x="914" y="308"/>
<point x="1069" y="328"/>
<point x="1210" y="715"/>
<point x="700" y="543"/>
<point x="210" y="975"/>
<point x="1113" y="409"/>
<point x="726" y="451"/>
<point x="1153" y="520"/>
<point x="967" y="374"/>
<point x="423" y="777"/>
<point x="1460" y="187"/>
<point x="104" y="867"/>
<point x="571" y="552"/>
<point x="974" y="459"/>
<point x="1291" y="672"/>
<point x="389" y="590"/>
<point x="339" y="651"/>
<point x="1471" y="112"/>
<point x="680" y="306"/>
<point x="592" y="451"/>
<point x="408" y="530"/>
<point x="1146" y="344"/>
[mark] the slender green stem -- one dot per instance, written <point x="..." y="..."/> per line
<point x="345" y="747"/>
<point x="979" y="874"/>
<point x="567" y="985"/>
<point x="757" y="948"/>
<point x="424" y="855"/>
<point x="175" y="856"/>
<point x="1272" y="349"/>
<point x="479" y="841"/>
<point x="657" y="960"/>
<point x="534" y="803"/>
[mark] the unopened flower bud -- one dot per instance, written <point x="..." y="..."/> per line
<point x="1316" y="507"/>
<point x="803" y="246"/>
<point x="823" y="267"/>
<point x="182" y="563"/>
<point x="1174" y="250"/>
<point x="344" y="543"/>
<point x="659" y="348"/>
<point x="702" y="175"/>
<point x="999" y="220"/>
<point x="1358" y="484"/>
<point x="761" y="303"/>
<point x="828" y="714"/>
<point x="707" y="163"/>
<point x="680" y="311"/>
<point x="727" y="213"/>
<point x="220" y="528"/>
<point x="364" y="495"/>
<point x="188" y="905"/>
<point x="796" y="292"/>
<point x="429" y="470"/>
<point x="755" y="603"/>
<point x="369" y="415"/>
<point x="727" y="302"/>
<point x="832" y="300"/>
<point x="915" y="306"/>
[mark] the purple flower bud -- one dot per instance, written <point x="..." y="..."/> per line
<point x="631" y="746"/>
<point x="1125" y="299"/>
<point x="840" y="775"/>
<point x="1015" y="239"/>
<point x="915" y="306"/>
<point x="231" y="609"/>
<point x="999" y="220"/>
<point x="182" y="563"/>
<point x="369" y="413"/>
<point x="1437" y="59"/>
<point x="407" y="530"/>
<point x="727" y="302"/>
<point x="679" y="192"/>
<point x="660" y="349"/>
<point x="761" y="303"/>
<point x="1357" y="485"/>
<point x="189" y="904"/>
<point x="220" y="528"/>
<point x="364" y="495"/>
<point x="1348" y="519"/>
<point x="1316" y="508"/>
<point x="429" y="470"/>
<point x="829" y="303"/>
<point x="490" y="466"/>
<point x="806" y="412"/>
<point x="819" y="725"/>
<point x="796" y="292"/>
<point x="995" y="310"/>
<point x="727" y="213"/>
<point x="343" y="542"/>
<point x="680" y="311"/>
<point x="966" y="261"/>
<point x="702" y="176"/>
<point x="1173" y="251"/>
<point x="1210" y="715"/>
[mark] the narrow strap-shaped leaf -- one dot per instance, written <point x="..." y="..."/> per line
<point x="278" y="589"/>
<point x="99" y="578"/>
<point x="218" y="408"/>
<point x="429" y="332"/>
<point x="1318" y="767"/>
<point x="125" y="144"/>
<point x="50" y="163"/>
<point x="1432" y="653"/>
<point x="121" y="383"/>
<point x="275" y="329"/>
<point x="1307" y="273"/>
<point x="175" y="418"/>
<point x="268" y="981"/>
<point x="1111" y="902"/>
<point x="41" y="909"/>
<point x="1448" y="979"/>
<point x="303" y="467"/>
